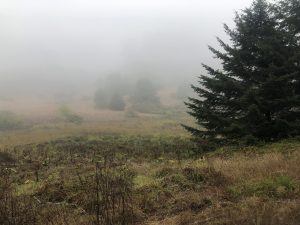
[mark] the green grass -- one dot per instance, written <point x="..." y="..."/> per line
<point x="272" y="187"/>
<point x="286" y="146"/>
<point x="28" y="188"/>
<point x="141" y="181"/>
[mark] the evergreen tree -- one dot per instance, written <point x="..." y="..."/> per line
<point x="289" y="14"/>
<point x="144" y="97"/>
<point x="255" y="93"/>
<point x="117" y="102"/>
<point x="100" y="99"/>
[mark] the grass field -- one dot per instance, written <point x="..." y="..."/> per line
<point x="53" y="173"/>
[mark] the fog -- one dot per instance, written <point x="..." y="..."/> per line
<point x="47" y="46"/>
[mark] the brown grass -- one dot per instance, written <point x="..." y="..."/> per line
<point x="240" y="167"/>
<point x="166" y="192"/>
<point x="252" y="210"/>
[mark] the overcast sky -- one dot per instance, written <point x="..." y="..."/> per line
<point x="59" y="43"/>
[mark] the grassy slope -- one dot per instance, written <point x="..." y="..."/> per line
<point x="255" y="185"/>
<point x="260" y="186"/>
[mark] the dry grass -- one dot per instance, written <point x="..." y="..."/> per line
<point x="239" y="169"/>
<point x="244" y="168"/>
<point x="166" y="192"/>
<point x="43" y="121"/>
<point x="46" y="132"/>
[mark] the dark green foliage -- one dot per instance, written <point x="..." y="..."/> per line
<point x="289" y="11"/>
<point x="256" y="95"/>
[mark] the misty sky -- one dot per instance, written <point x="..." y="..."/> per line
<point x="60" y="43"/>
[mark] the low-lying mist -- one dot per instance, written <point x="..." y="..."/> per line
<point x="91" y="56"/>
<point x="49" y="47"/>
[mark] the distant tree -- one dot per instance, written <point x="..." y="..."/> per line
<point x="116" y="83"/>
<point x="101" y="99"/>
<point x="256" y="93"/>
<point x="144" y="97"/>
<point x="117" y="102"/>
<point x="111" y="91"/>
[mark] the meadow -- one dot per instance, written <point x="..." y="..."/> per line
<point x="114" y="168"/>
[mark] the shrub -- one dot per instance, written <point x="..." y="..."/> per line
<point x="14" y="210"/>
<point x="112" y="192"/>
<point x="194" y="175"/>
<point x="6" y="158"/>
<point x="117" y="102"/>
<point x="69" y="116"/>
<point x="205" y="175"/>
<point x="177" y="182"/>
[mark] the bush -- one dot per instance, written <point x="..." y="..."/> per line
<point x="14" y="210"/>
<point x="117" y="102"/>
<point x="6" y="158"/>
<point x="9" y="121"/>
<point x="69" y="116"/>
<point x="113" y="190"/>
<point x="205" y="175"/>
